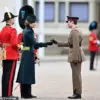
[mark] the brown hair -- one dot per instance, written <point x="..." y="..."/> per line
<point x="74" y="21"/>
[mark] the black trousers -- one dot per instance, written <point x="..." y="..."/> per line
<point x="9" y="67"/>
<point x="25" y="90"/>
<point x="92" y="57"/>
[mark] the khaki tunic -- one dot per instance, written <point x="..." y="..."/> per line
<point x="75" y="46"/>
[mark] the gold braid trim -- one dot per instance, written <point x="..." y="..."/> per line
<point x="9" y="14"/>
<point x="3" y="54"/>
<point x="4" y="51"/>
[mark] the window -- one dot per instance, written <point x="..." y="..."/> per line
<point x="24" y="2"/>
<point x="80" y="10"/>
<point x="37" y="10"/>
<point x="49" y="11"/>
<point x="62" y="12"/>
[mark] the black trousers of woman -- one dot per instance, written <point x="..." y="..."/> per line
<point x="26" y="91"/>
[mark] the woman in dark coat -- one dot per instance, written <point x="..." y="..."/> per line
<point x="26" y="74"/>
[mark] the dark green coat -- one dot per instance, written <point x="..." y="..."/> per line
<point x="26" y="74"/>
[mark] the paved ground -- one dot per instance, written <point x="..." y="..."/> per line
<point x="54" y="81"/>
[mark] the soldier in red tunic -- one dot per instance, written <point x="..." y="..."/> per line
<point x="8" y="38"/>
<point x="93" y="43"/>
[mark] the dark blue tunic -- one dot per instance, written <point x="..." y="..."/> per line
<point x="26" y="74"/>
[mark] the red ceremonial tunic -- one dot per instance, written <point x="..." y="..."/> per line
<point x="8" y="38"/>
<point x="93" y="46"/>
<point x="19" y="38"/>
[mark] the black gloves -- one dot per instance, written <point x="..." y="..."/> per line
<point x="54" y="41"/>
<point x="46" y="44"/>
<point x="49" y="43"/>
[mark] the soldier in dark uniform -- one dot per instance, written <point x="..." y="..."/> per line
<point x="8" y="38"/>
<point x="93" y="43"/>
<point x="26" y="74"/>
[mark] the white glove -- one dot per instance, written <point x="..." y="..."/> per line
<point x="21" y="47"/>
<point x="98" y="42"/>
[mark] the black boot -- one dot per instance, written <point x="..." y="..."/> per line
<point x="29" y="97"/>
<point x="32" y="96"/>
<point x="26" y="92"/>
<point x="75" y="96"/>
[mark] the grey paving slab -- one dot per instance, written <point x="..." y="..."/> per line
<point x="54" y="81"/>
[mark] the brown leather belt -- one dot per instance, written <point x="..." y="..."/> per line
<point x="72" y="46"/>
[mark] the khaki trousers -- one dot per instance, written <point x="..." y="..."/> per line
<point x="76" y="78"/>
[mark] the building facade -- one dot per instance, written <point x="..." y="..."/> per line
<point x="55" y="13"/>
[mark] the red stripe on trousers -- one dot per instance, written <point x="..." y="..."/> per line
<point x="11" y="78"/>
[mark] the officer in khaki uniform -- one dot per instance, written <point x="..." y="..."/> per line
<point x="75" y="56"/>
